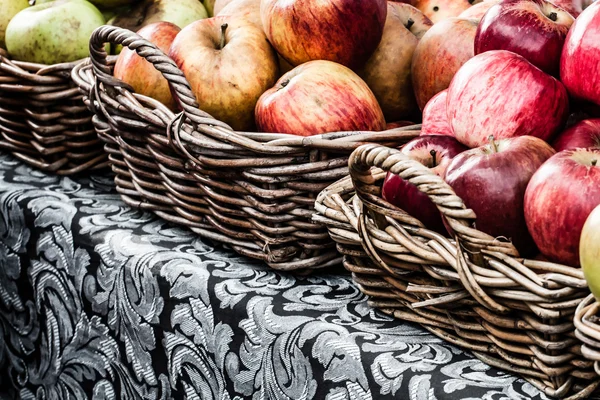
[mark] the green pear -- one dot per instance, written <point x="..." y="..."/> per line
<point x="52" y="33"/>
<point x="9" y="8"/>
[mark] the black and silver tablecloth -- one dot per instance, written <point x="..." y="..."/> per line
<point x="101" y="301"/>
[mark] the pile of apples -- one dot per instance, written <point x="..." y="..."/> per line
<point x="53" y="32"/>
<point x="513" y="127"/>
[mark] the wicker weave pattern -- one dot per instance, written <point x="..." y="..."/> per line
<point x="587" y="322"/>
<point x="254" y="191"/>
<point x="473" y="291"/>
<point x="43" y="120"/>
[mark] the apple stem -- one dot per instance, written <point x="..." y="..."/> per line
<point x="553" y="16"/>
<point x="409" y="23"/>
<point x="223" y="29"/>
<point x="493" y="143"/>
<point x="433" y="154"/>
<point x="594" y="163"/>
<point x="285" y="83"/>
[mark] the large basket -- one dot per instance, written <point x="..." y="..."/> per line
<point x="473" y="290"/>
<point x="253" y="191"/>
<point x="43" y="120"/>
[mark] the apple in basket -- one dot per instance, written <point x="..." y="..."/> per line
<point x="388" y="70"/>
<point x="319" y="97"/>
<point x="583" y="134"/>
<point x="573" y="7"/>
<point x="546" y="27"/>
<point x="580" y="61"/>
<point x="589" y="251"/>
<point x="559" y="199"/>
<point x="9" y="9"/>
<point x="435" y="116"/>
<point x="435" y="152"/>
<point x="344" y="31"/>
<point x="438" y="10"/>
<point x="502" y="94"/>
<point x="228" y="63"/>
<point x="139" y="73"/>
<point x="478" y="10"/>
<point x="492" y="180"/>
<point x="179" y="12"/>
<point x="53" y="33"/>
<point x="440" y="53"/>
<point x="249" y="9"/>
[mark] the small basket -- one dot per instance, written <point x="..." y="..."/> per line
<point x="587" y="324"/>
<point x="253" y="191"/>
<point x="473" y="291"/>
<point x="43" y="120"/>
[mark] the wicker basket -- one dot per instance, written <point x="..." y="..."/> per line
<point x="43" y="120"/>
<point x="253" y="191"/>
<point x="587" y="324"/>
<point x="473" y="290"/>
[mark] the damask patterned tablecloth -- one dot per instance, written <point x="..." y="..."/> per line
<point x="101" y="301"/>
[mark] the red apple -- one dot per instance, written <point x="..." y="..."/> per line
<point x="500" y="93"/>
<point x="435" y="116"/>
<point x="558" y="200"/>
<point x="435" y="152"/>
<point x="546" y="27"/>
<point x="344" y="31"/>
<point x="249" y="9"/>
<point x="580" y="61"/>
<point x="440" y="53"/>
<point x="573" y="7"/>
<point x="388" y="70"/>
<point x="228" y="63"/>
<point x="583" y="134"/>
<point x="478" y="10"/>
<point x="492" y="179"/>
<point x="139" y="73"/>
<point x="438" y="10"/>
<point x="319" y="97"/>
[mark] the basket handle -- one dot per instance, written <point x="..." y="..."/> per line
<point x="453" y="209"/>
<point x="459" y="217"/>
<point x="181" y="89"/>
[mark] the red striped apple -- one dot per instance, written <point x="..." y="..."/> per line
<point x="492" y="180"/>
<point x="583" y="134"/>
<point x="435" y="152"/>
<point x="435" y="116"/>
<point x="139" y="73"/>
<point x="573" y="7"/>
<point x="440" y="53"/>
<point x="388" y="70"/>
<point x="343" y="31"/>
<point x="580" y="61"/>
<point x="319" y="97"/>
<point x="502" y="94"/>
<point x="560" y="197"/>
<point x="228" y="63"/>
<point x="546" y="28"/>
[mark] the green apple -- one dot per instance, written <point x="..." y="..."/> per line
<point x="589" y="251"/>
<point x="54" y="32"/>
<point x="9" y="8"/>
